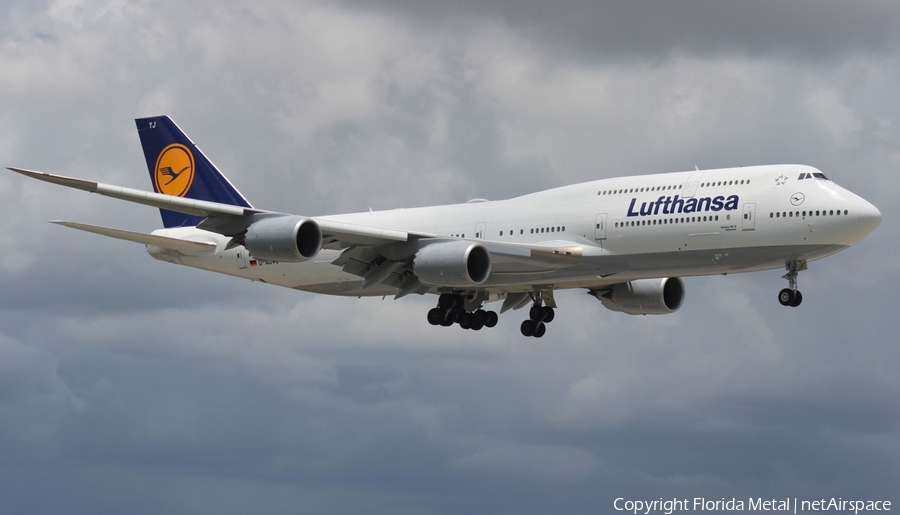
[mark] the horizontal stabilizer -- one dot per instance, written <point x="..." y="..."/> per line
<point x="183" y="246"/>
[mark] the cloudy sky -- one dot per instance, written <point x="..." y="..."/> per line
<point x="132" y="386"/>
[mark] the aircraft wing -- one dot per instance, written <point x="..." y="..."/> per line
<point x="381" y="265"/>
<point x="158" y="200"/>
<point x="358" y="242"/>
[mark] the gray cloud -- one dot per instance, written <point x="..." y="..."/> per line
<point x="132" y="385"/>
<point x="603" y="31"/>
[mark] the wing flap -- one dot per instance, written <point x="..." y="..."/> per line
<point x="183" y="246"/>
<point x="341" y="235"/>
<point x="539" y="257"/>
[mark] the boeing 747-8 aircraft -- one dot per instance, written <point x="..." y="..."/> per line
<point x="626" y="241"/>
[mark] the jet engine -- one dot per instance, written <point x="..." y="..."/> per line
<point x="453" y="263"/>
<point x="643" y="296"/>
<point x="284" y="238"/>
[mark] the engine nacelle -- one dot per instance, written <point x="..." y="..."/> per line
<point x="284" y="238"/>
<point x="453" y="263"/>
<point x="644" y="296"/>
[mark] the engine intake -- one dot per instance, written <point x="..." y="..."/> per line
<point x="284" y="238"/>
<point x="644" y="296"/>
<point x="453" y="263"/>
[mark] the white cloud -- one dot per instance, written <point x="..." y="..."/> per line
<point x="833" y="114"/>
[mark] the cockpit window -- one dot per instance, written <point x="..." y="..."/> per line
<point x="820" y="176"/>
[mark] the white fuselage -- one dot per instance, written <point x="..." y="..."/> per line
<point x="666" y="225"/>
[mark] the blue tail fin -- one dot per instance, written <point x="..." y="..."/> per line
<point x="177" y="167"/>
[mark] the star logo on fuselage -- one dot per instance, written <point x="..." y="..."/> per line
<point x="781" y="180"/>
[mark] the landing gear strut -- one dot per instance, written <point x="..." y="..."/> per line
<point x="791" y="296"/>
<point x="451" y="310"/>
<point x="539" y="316"/>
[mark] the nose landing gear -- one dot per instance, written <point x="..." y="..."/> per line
<point x="791" y="296"/>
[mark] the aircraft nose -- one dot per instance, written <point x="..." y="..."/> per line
<point x="869" y="217"/>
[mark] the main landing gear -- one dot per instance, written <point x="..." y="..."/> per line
<point x="538" y="317"/>
<point x="451" y="310"/>
<point x="791" y="296"/>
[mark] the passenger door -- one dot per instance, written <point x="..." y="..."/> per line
<point x="749" y="222"/>
<point x="600" y="226"/>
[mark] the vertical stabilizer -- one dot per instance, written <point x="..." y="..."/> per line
<point x="177" y="167"/>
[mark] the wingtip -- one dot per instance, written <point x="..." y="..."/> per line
<point x="24" y="171"/>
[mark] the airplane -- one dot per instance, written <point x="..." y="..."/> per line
<point x="627" y="241"/>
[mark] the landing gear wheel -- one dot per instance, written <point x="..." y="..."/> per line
<point x="549" y="314"/>
<point x="786" y="297"/>
<point x="435" y="316"/>
<point x="465" y="320"/>
<point x="538" y="316"/>
<point x="478" y="316"/>
<point x="491" y="319"/>
<point x="798" y="298"/>
<point x="528" y="328"/>
<point x="449" y="318"/>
